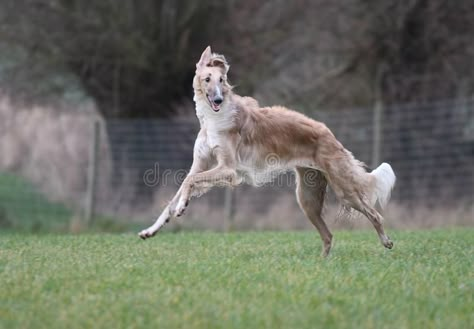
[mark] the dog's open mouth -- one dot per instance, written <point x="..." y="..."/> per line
<point x="215" y="107"/>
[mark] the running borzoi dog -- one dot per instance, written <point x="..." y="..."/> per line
<point x="237" y="139"/>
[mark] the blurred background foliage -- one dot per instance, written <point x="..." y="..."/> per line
<point x="136" y="58"/>
<point x="66" y="65"/>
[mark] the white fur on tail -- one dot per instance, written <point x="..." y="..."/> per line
<point x="384" y="183"/>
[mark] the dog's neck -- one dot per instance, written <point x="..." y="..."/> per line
<point x="215" y="121"/>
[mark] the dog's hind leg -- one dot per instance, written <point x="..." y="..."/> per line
<point x="376" y="219"/>
<point x="310" y="193"/>
<point x="353" y="196"/>
<point x="353" y="186"/>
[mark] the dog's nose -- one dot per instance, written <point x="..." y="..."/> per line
<point x="218" y="100"/>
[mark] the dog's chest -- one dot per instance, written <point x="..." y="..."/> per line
<point x="215" y="125"/>
<point x="213" y="137"/>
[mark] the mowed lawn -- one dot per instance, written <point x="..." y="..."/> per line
<point x="237" y="280"/>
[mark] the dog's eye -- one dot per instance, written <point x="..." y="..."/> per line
<point x="207" y="79"/>
<point x="221" y="80"/>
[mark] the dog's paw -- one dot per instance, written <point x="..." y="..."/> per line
<point x="181" y="207"/>
<point x="145" y="234"/>
<point x="387" y="243"/>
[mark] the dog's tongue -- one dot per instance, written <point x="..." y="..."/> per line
<point x="215" y="107"/>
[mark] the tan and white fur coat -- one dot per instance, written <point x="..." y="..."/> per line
<point x="240" y="141"/>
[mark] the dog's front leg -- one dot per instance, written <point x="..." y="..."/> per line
<point x="219" y="176"/>
<point x="164" y="218"/>
<point x="224" y="174"/>
<point x="199" y="164"/>
<point x="168" y="212"/>
<point x="160" y="221"/>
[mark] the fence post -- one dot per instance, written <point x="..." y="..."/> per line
<point x="229" y="209"/>
<point x="377" y="119"/>
<point x="92" y="172"/>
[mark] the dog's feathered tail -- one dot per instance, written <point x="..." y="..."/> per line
<point x="384" y="183"/>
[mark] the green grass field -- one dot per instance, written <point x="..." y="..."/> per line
<point x="237" y="280"/>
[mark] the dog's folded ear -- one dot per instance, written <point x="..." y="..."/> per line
<point x="205" y="58"/>
<point x="219" y="61"/>
<point x="212" y="60"/>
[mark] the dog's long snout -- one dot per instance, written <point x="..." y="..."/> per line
<point x="218" y="98"/>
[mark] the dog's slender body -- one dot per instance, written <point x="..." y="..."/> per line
<point x="242" y="142"/>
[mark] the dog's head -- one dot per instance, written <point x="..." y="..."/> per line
<point x="210" y="80"/>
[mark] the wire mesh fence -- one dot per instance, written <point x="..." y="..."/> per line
<point x="139" y="164"/>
